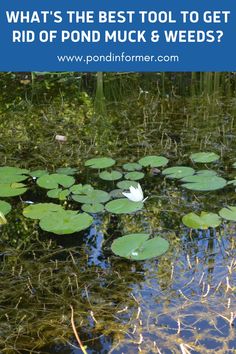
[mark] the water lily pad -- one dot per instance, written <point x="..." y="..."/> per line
<point x="12" y="174"/>
<point x="65" y="222"/>
<point x="228" y="213"/>
<point x="38" y="211"/>
<point x="5" y="207"/>
<point x="204" y="157"/>
<point x="92" y="208"/>
<point x="13" y="170"/>
<point x="153" y="161"/>
<point x="202" y="221"/>
<point x="178" y="172"/>
<point x="69" y="171"/>
<point x="110" y="176"/>
<point x="134" y="176"/>
<point x="38" y="173"/>
<point x="58" y="193"/>
<point x="132" y="166"/>
<point x="94" y="196"/>
<point x="203" y="183"/>
<point x="100" y="162"/>
<point x="81" y="189"/>
<point x="139" y="247"/>
<point x="206" y="173"/>
<point x="12" y="189"/>
<point x="53" y="181"/>
<point x="127" y="184"/>
<point x="123" y="206"/>
<point x="117" y="193"/>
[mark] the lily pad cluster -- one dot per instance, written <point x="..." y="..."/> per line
<point x="63" y="185"/>
<point x="10" y="181"/>
<point x="53" y="218"/>
<point x="206" y="220"/>
<point x="202" y="180"/>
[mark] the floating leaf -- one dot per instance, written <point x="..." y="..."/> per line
<point x="38" y="173"/>
<point x="100" y="162"/>
<point x="12" y="190"/>
<point x="132" y="166"/>
<point x="228" y="213"/>
<point x="134" y="176"/>
<point x="126" y="184"/>
<point x="13" y="170"/>
<point x="139" y="247"/>
<point x="92" y="208"/>
<point x="203" y="183"/>
<point x="53" y="181"/>
<point x="95" y="196"/>
<point x="81" y="189"/>
<point x="38" y="211"/>
<point x="206" y="173"/>
<point x="65" y="222"/>
<point x="70" y="171"/>
<point x="123" y="206"/>
<point x="110" y="176"/>
<point x="12" y="175"/>
<point x="116" y="193"/>
<point x="178" y="172"/>
<point x="204" y="157"/>
<point x="5" y="207"/>
<point x="58" y="193"/>
<point x="202" y="222"/>
<point x="153" y="161"/>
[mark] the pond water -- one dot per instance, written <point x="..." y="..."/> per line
<point x="180" y="302"/>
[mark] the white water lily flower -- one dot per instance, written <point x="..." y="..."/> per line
<point x="135" y="194"/>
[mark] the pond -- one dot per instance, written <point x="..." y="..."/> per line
<point x="69" y="282"/>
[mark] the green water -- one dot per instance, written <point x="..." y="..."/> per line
<point x="184" y="300"/>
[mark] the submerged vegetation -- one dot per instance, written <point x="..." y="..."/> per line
<point x="142" y="269"/>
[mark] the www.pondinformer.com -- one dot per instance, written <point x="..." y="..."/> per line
<point x="111" y="58"/>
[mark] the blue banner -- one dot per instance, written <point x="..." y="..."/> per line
<point x="152" y="35"/>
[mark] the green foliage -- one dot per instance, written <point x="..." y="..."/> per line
<point x="38" y="173"/>
<point x="100" y="162"/>
<point x="12" y="189"/>
<point x="93" y="208"/>
<point x="58" y="193"/>
<point x="5" y="207"/>
<point x="70" y="171"/>
<point x="65" y="222"/>
<point x="38" y="211"/>
<point x="228" y="213"/>
<point x="123" y="206"/>
<point x="134" y="176"/>
<point x="139" y="247"/>
<point x="10" y="175"/>
<point x="178" y="172"/>
<point x="53" y="181"/>
<point x="94" y="196"/>
<point x="81" y="189"/>
<point x="153" y="161"/>
<point x="126" y="184"/>
<point x="203" y="183"/>
<point x="204" y="157"/>
<point x="110" y="176"/>
<point x="202" y="221"/>
<point x="132" y="166"/>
